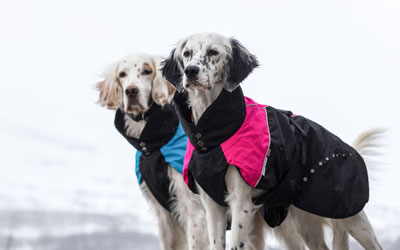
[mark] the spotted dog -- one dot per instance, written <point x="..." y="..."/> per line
<point x="257" y="163"/>
<point x="135" y="88"/>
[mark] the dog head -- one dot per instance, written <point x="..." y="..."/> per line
<point x="133" y="83"/>
<point x="204" y="60"/>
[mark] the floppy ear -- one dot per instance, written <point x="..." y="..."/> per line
<point x="110" y="90"/>
<point x="172" y="70"/>
<point x="162" y="90"/>
<point x="239" y="65"/>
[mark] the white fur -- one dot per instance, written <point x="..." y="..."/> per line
<point x="136" y="68"/>
<point x="134" y="128"/>
<point x="299" y="224"/>
<point x="210" y="66"/>
<point x="185" y="226"/>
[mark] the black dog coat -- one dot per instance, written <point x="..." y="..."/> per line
<point x="304" y="165"/>
<point x="162" y="143"/>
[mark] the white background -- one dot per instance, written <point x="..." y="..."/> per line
<point x="336" y="62"/>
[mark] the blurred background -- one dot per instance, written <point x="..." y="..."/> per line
<point x="67" y="176"/>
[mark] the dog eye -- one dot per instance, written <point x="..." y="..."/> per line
<point x="147" y="72"/>
<point x="186" y="53"/>
<point x="122" y="74"/>
<point x="212" y="52"/>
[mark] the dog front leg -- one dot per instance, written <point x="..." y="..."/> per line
<point x="197" y="235"/>
<point x="216" y="221"/>
<point x="242" y="209"/>
<point x="169" y="232"/>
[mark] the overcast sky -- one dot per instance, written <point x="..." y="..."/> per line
<point x="336" y="62"/>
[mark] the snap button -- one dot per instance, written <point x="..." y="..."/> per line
<point x="312" y="171"/>
<point x="305" y="179"/>
<point x="142" y="144"/>
<point x="197" y="135"/>
<point x="144" y="149"/>
<point x="200" y="143"/>
<point x="203" y="149"/>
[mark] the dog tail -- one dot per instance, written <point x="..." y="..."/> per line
<point x="370" y="145"/>
<point x="367" y="142"/>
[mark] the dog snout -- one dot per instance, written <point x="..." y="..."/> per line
<point x="131" y="91"/>
<point x="192" y="71"/>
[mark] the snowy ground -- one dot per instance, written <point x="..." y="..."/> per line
<point x="67" y="177"/>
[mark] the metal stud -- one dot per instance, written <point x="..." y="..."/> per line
<point x="305" y="179"/>
<point x="320" y="163"/>
<point x="327" y="158"/>
<point x="197" y="135"/>
<point x="312" y="171"/>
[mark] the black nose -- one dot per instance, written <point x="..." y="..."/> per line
<point x="131" y="91"/>
<point x="192" y="71"/>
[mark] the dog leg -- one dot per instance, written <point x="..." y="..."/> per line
<point x="310" y="227"/>
<point x="242" y="208"/>
<point x="170" y="232"/>
<point x="188" y="210"/>
<point x="197" y="236"/>
<point x="196" y="226"/>
<point x="216" y="221"/>
<point x="340" y="236"/>
<point x="360" y="228"/>
<point x="288" y="234"/>
<point x="257" y="233"/>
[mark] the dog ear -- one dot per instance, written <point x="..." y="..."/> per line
<point x="110" y="91"/>
<point x="239" y="65"/>
<point x="162" y="90"/>
<point x="172" y="70"/>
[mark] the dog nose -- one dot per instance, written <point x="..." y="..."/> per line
<point x="131" y="91"/>
<point x="192" y="71"/>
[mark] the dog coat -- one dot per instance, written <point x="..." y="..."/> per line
<point x="162" y="143"/>
<point x="295" y="160"/>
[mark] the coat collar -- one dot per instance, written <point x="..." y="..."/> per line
<point x="219" y="121"/>
<point x="161" y="125"/>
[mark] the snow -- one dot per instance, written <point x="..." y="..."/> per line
<point x="65" y="171"/>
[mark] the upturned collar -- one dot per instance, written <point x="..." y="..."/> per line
<point x="161" y="125"/>
<point x="218" y="122"/>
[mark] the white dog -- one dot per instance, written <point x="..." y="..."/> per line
<point x="135" y="88"/>
<point x="212" y="110"/>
